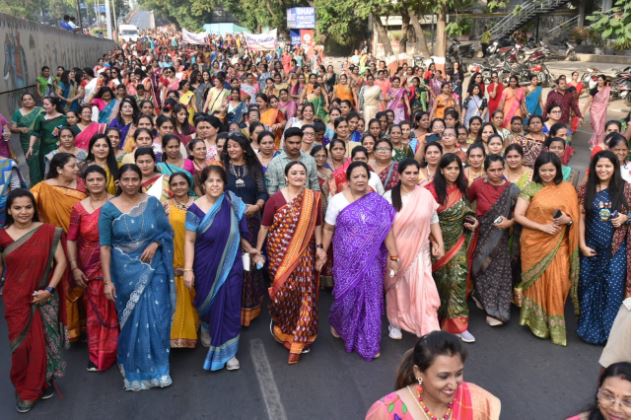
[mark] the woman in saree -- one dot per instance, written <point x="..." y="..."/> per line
<point x="216" y="227"/>
<point x="271" y="117"/>
<point x="66" y="145"/>
<point x="235" y="107"/>
<point x="324" y="173"/>
<point x="597" y="105"/>
<point x="420" y="394"/>
<point x="371" y="98"/>
<point x="292" y="223"/>
<point x="384" y="166"/>
<point x="512" y="102"/>
<point x="124" y="121"/>
<point x="173" y="161"/>
<point x="558" y="146"/>
<point x="534" y="103"/>
<point x="475" y="156"/>
<point x="318" y="98"/>
<point x="101" y="153"/>
<point x="87" y="128"/>
<point x="619" y="145"/>
<point x="443" y="101"/>
<point x="397" y="101"/>
<point x="358" y="225"/>
<point x="495" y="197"/>
<point x="515" y="172"/>
<point x="432" y="156"/>
<point x="186" y="99"/>
<point x="412" y="300"/>
<point x="605" y="246"/>
<point x="451" y="270"/>
<point x="137" y="260"/>
<point x="44" y="135"/>
<point x="22" y="123"/>
<point x="55" y="198"/>
<point x="106" y="105"/>
<point x="142" y="138"/>
<point x="153" y="182"/>
<point x="547" y="208"/>
<point x="215" y="97"/>
<point x="102" y="325"/>
<point x="33" y="263"/>
<point x="184" y="326"/>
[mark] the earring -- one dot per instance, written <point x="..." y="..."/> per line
<point x="419" y="381"/>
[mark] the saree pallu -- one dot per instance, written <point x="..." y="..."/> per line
<point x="102" y="324"/>
<point x="512" y="104"/>
<point x="82" y="140"/>
<point x="389" y="176"/>
<point x="219" y="274"/>
<point x="36" y="335"/>
<point x="359" y="268"/>
<point x="184" y="326"/>
<point x="549" y="263"/>
<point x="28" y="120"/>
<point x="598" y="115"/>
<point x="397" y="104"/>
<point x="533" y="103"/>
<point x="450" y="272"/>
<point x="325" y="276"/>
<point x="412" y="298"/>
<point x="493" y="281"/>
<point x="294" y="290"/>
<point x="43" y="129"/>
<point x="254" y="288"/>
<point x="603" y="277"/>
<point x="145" y="297"/>
<point x="168" y="170"/>
<point x="54" y="205"/>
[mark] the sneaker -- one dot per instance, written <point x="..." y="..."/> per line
<point x="91" y="367"/>
<point x="49" y="392"/>
<point x="205" y="338"/>
<point x="493" y="322"/>
<point x="395" y="333"/>
<point x="22" y="406"/>
<point x="466" y="337"/>
<point x="233" y="364"/>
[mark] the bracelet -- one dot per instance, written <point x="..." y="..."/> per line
<point x="319" y="246"/>
<point x="74" y="268"/>
<point x="187" y="269"/>
<point x="50" y="289"/>
<point x="394" y="258"/>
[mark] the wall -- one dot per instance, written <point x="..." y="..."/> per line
<point x="27" y="46"/>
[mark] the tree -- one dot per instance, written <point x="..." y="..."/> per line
<point x="614" y="25"/>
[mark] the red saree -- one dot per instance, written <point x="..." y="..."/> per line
<point x="101" y="317"/>
<point x="35" y="335"/>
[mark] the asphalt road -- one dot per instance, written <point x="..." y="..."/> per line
<point x="534" y="378"/>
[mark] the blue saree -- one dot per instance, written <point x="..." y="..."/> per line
<point x="533" y="102"/>
<point x="219" y="274"/>
<point x="145" y="295"/>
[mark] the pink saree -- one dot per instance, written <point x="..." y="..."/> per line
<point x="512" y="104"/>
<point x="598" y="113"/>
<point x="82" y="140"/>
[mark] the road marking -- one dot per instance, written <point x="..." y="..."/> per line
<point x="267" y="384"/>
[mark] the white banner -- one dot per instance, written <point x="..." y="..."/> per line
<point x="262" y="42"/>
<point x="199" y="38"/>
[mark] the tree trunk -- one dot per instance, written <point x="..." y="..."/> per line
<point x="420" y="39"/>
<point x="383" y="36"/>
<point x="440" y="34"/>
<point x="405" y="31"/>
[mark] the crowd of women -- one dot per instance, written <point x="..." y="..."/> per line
<point x="172" y="189"/>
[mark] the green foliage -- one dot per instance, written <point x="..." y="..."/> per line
<point x="458" y="28"/>
<point x="340" y="21"/>
<point x="494" y="5"/>
<point x="614" y="25"/>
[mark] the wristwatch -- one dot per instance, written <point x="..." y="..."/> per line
<point x="50" y="289"/>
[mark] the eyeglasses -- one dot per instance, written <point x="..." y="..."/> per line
<point x="607" y="398"/>
<point x="556" y="112"/>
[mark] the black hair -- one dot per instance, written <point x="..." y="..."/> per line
<point x="481" y="131"/>
<point x="620" y="370"/>
<point x="56" y="102"/>
<point x="427" y="348"/>
<point x="165" y="141"/>
<point x="142" y="151"/>
<point x="126" y="168"/>
<point x="263" y="134"/>
<point x="451" y="112"/>
<point x="59" y="160"/>
<point x="616" y="183"/>
<point x="252" y="127"/>
<point x="439" y="182"/>
<point x="613" y="122"/>
<point x="555" y="127"/>
<point x="359" y="149"/>
<point x="182" y="174"/>
<point x="253" y="165"/>
<point x="492" y="158"/>
<point x="293" y="132"/>
<point x="135" y="111"/>
<point x="113" y="166"/>
<point x="474" y="118"/>
<point x="544" y="158"/>
<point x="354" y="165"/>
<point x="396" y="195"/>
<point x="293" y="163"/>
<point x="613" y="139"/>
<point x="212" y="169"/>
<point x="93" y="168"/>
<point x="547" y="143"/>
<point x="317" y="148"/>
<point x="13" y="195"/>
<point x="185" y="128"/>
<point x="513" y="146"/>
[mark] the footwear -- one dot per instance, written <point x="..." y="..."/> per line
<point x="493" y="322"/>
<point x="49" y="392"/>
<point x="377" y="355"/>
<point x="395" y="333"/>
<point x="272" y="332"/>
<point x="334" y="333"/>
<point x="23" y="406"/>
<point x="205" y="338"/>
<point x="466" y="337"/>
<point x="477" y="303"/>
<point x="306" y="350"/>
<point x="233" y="364"/>
<point x="91" y="367"/>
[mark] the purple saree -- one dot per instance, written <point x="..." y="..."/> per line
<point x="359" y="267"/>
<point x="219" y="274"/>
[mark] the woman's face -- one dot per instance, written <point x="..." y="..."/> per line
<point x="144" y="140"/>
<point x="495" y="172"/>
<point x="179" y="186"/>
<point x="604" y="169"/>
<point x="48" y="107"/>
<point x="261" y="103"/>
<point x="274" y="103"/>
<point x="213" y="186"/>
<point x="28" y="102"/>
<point x="320" y="158"/>
<point x="442" y="378"/>
<point x="495" y="146"/>
<point x="451" y="172"/>
<point x="497" y="119"/>
<point x="71" y="118"/>
<point x="199" y="151"/>
<point x="446" y="89"/>
<point x="146" y="164"/>
<point x="22" y="210"/>
<point x="614" y="398"/>
<point x="476" y="90"/>
<point x="69" y="171"/>
<point x="234" y="150"/>
<point x="358" y="180"/>
<point x="621" y="151"/>
<point x="342" y="130"/>
<point x="308" y="113"/>
<point x="147" y="109"/>
<point x="66" y="139"/>
<point x="410" y="176"/>
<point x="438" y="127"/>
<point x="476" y="158"/>
<point x="475" y="126"/>
<point x="612" y="128"/>
<point x="172" y="149"/>
<point x="297" y="176"/>
<point x="100" y="149"/>
<point x="514" y="159"/>
<point x="166" y="128"/>
<point x="557" y="148"/>
<point x="432" y="156"/>
<point x="486" y="133"/>
<point x="126" y="109"/>
<point x="114" y="137"/>
<point x="267" y="145"/>
<point x="547" y="172"/>
<point x="181" y="116"/>
<point x="95" y="183"/>
<point x="334" y="114"/>
<point x="86" y="115"/>
<point x="374" y="129"/>
<point x="144" y="123"/>
<point x="204" y="130"/>
<point x="369" y="143"/>
<point x="555" y="114"/>
<point x="516" y="126"/>
<point x="337" y="152"/>
<point x="534" y="81"/>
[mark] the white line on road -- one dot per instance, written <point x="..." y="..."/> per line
<point x="267" y="384"/>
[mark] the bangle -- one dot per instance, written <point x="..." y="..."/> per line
<point x="394" y="258"/>
<point x="187" y="269"/>
<point x="74" y="268"/>
<point x="319" y="246"/>
<point x="50" y="289"/>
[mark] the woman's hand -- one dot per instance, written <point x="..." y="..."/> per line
<point x="393" y="267"/>
<point x="550" y="228"/>
<point x="149" y="252"/>
<point x="251" y="210"/>
<point x="109" y="291"/>
<point x="29" y="153"/>
<point x="189" y="279"/>
<point x="437" y="251"/>
<point x="504" y="223"/>
<point x="562" y="220"/>
<point x="321" y="258"/>
<point x="588" y="252"/>
<point x="79" y="277"/>
<point x="472" y="226"/>
<point x="41" y="296"/>
<point x="619" y="220"/>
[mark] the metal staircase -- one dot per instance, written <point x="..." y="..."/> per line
<point x="524" y="12"/>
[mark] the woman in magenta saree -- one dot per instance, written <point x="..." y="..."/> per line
<point x="398" y="103"/>
<point x="362" y="234"/>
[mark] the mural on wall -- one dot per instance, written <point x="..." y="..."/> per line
<point x="15" y="66"/>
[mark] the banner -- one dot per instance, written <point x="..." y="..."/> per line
<point x="295" y="37"/>
<point x="193" y="38"/>
<point x="300" y="18"/>
<point x="307" y="41"/>
<point x="261" y="42"/>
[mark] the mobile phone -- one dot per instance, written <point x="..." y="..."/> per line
<point x="498" y="220"/>
<point x="557" y="214"/>
<point x="432" y="138"/>
<point x="470" y="219"/>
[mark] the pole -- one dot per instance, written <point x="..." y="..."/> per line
<point x="81" y="26"/>
<point x="108" y="19"/>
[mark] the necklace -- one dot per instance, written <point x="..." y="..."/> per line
<point x="180" y="205"/>
<point x="99" y="201"/>
<point x="427" y="412"/>
<point x="239" y="172"/>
